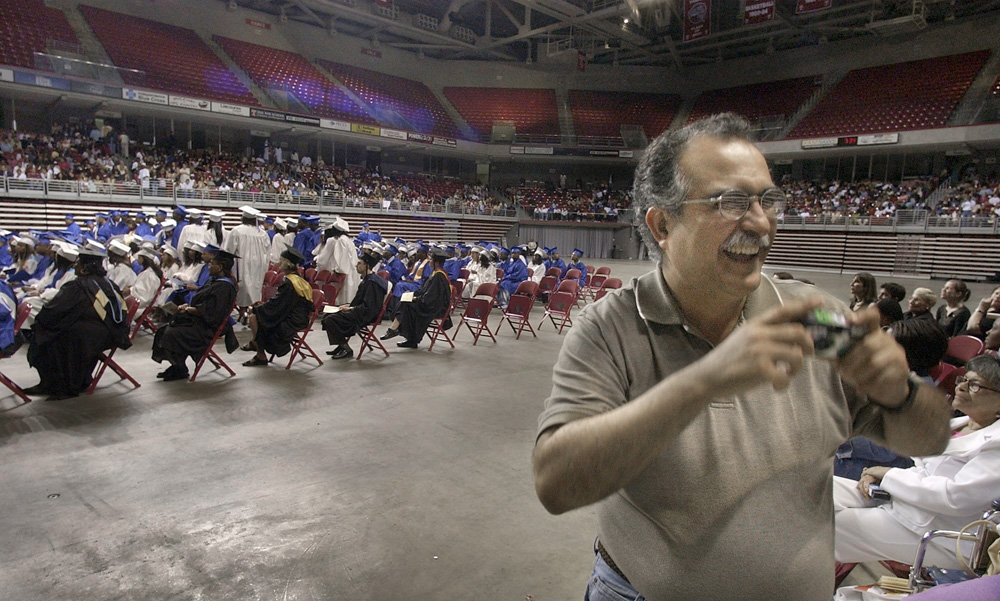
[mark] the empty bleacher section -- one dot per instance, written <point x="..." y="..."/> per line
<point x="602" y="114"/>
<point x="387" y="94"/>
<point x="769" y="102"/>
<point x="904" y="96"/>
<point x="274" y="69"/>
<point x="533" y="111"/>
<point x="26" y="26"/>
<point x="173" y="59"/>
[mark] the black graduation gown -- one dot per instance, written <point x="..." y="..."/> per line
<point x="429" y="302"/>
<point x="279" y="319"/>
<point x="365" y="308"/>
<point x="189" y="335"/>
<point x="69" y="334"/>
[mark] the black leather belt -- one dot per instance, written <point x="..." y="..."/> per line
<point x="607" y="559"/>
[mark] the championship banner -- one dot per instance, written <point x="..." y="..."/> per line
<point x="697" y="19"/>
<point x="808" y="6"/>
<point x="757" y="11"/>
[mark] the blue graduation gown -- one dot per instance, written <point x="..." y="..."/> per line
<point x="73" y="229"/>
<point x="8" y="310"/>
<point x="396" y="270"/>
<point x="5" y="259"/>
<point x="143" y="229"/>
<point x="452" y="267"/>
<point x="513" y="276"/>
<point x="413" y="285"/>
<point x="557" y="263"/>
<point x="581" y="267"/>
<point x="175" y="238"/>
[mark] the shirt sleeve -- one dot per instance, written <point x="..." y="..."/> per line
<point x="589" y="377"/>
<point x="969" y="491"/>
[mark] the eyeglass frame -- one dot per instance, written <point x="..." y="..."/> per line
<point x="978" y="386"/>
<point x="750" y="197"/>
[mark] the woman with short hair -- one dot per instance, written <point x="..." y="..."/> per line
<point x="921" y="302"/>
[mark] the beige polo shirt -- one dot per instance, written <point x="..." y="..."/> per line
<point x="739" y="506"/>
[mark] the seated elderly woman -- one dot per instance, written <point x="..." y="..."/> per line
<point x="276" y="322"/>
<point x="193" y="326"/>
<point x="921" y="302"/>
<point x="941" y="492"/>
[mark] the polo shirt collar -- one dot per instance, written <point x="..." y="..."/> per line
<point x="657" y="304"/>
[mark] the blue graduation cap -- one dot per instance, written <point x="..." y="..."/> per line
<point x="357" y="243"/>
<point x="115" y="213"/>
<point x="140" y="215"/>
<point x="181" y="209"/>
<point x="161" y="212"/>
<point x="504" y="250"/>
<point x="365" y="224"/>
<point x="423" y="247"/>
<point x="269" y="220"/>
<point x="211" y="248"/>
<point x="70" y="217"/>
<point x="313" y="220"/>
<point x="399" y="240"/>
<point x="391" y="247"/>
<point x="553" y="250"/>
<point x="515" y="249"/>
<point x="578" y="252"/>
<point x="102" y="215"/>
<point x="450" y="249"/>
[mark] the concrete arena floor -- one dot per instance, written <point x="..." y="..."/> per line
<point x="406" y="477"/>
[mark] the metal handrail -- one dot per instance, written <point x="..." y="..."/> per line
<point x="131" y="191"/>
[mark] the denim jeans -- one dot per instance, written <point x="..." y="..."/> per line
<point x="606" y="585"/>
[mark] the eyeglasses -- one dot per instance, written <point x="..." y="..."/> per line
<point x="734" y="204"/>
<point x="974" y="387"/>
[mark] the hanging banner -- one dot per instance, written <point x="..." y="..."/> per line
<point x="757" y="11"/>
<point x="808" y="6"/>
<point x="697" y="19"/>
<point x="581" y="61"/>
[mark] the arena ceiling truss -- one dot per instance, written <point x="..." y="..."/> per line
<point x="620" y="32"/>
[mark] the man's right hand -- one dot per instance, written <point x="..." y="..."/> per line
<point x="768" y="349"/>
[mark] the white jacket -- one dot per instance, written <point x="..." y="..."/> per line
<point x="950" y="490"/>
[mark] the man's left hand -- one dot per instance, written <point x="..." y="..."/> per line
<point x="871" y="475"/>
<point x="876" y="365"/>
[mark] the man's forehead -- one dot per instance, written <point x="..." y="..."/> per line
<point x="710" y="157"/>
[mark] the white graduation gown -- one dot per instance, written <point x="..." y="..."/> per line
<point x="346" y="262"/>
<point x="144" y="288"/>
<point x="193" y="232"/>
<point x="278" y="246"/>
<point x="253" y="247"/>
<point x="122" y="274"/>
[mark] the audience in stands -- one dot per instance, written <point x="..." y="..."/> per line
<point x="863" y="291"/>
<point x="940" y="492"/>
<point x="601" y="203"/>
<point x="953" y="316"/>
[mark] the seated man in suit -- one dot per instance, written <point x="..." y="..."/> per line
<point x="275" y="323"/>
<point x="362" y="310"/>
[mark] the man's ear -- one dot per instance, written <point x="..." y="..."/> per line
<point x="659" y="223"/>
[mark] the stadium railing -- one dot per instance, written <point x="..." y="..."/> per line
<point x="129" y="192"/>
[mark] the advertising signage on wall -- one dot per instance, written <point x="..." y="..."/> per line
<point x="42" y="81"/>
<point x="144" y="96"/>
<point x="96" y="89"/>
<point x="865" y="140"/>
<point x="757" y="11"/>
<point x="808" y="6"/>
<point x="302" y="119"/>
<point x="697" y="19"/>
<point x="6" y="75"/>
<point x="190" y="103"/>
<point x="360" y="128"/>
<point x="230" y="109"/>
<point x="267" y="114"/>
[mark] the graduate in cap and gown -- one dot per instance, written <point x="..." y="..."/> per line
<point x="555" y="261"/>
<point x="576" y="263"/>
<point x="72" y="227"/>
<point x="362" y="310"/>
<point x="429" y="302"/>
<point x="191" y="329"/>
<point x="515" y="273"/>
<point x="85" y="318"/>
<point x="253" y="247"/>
<point x="275" y="323"/>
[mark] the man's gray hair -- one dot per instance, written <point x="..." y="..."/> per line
<point x="658" y="179"/>
<point x="988" y="368"/>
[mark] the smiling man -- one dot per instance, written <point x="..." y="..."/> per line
<point x="690" y="408"/>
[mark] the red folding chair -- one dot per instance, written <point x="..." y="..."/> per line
<point x="369" y="341"/>
<point x="962" y="348"/>
<point x="210" y="353"/>
<point x="330" y="293"/>
<point x="601" y="270"/>
<point x="21" y="314"/>
<point x="436" y="330"/>
<point x="499" y="273"/>
<point x="143" y="321"/>
<point x="384" y="274"/>
<point x="547" y="285"/>
<point x="268" y="293"/>
<point x="554" y="272"/>
<point x="571" y="286"/>
<point x="560" y="305"/>
<point x="477" y="313"/>
<point x="488" y="289"/>
<point x="309" y="274"/>
<point x="456" y="291"/>
<point x="518" y="309"/>
<point x="322" y="276"/>
<point x="594" y="284"/>
<point x="299" y="346"/>
<point x="463" y="274"/>
<point x="105" y="359"/>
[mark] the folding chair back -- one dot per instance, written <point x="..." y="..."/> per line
<point x="23" y="311"/>
<point x="964" y="347"/>
<point x="369" y="341"/>
<point x="301" y="348"/>
<point x="590" y="268"/>
<point x="527" y="288"/>
<point x="477" y="313"/>
<point x="105" y="359"/>
<point x="436" y="330"/>
<point x="554" y="272"/>
<point x="572" y="274"/>
<point x="499" y="274"/>
<point x="143" y="320"/>
<point x="274" y="278"/>
<point x="568" y="285"/>
<point x="384" y="274"/>
<point x="518" y="310"/>
<point x="210" y="354"/>
<point x="548" y="284"/>
<point x="486" y="290"/>
<point x="612" y="283"/>
<point x="594" y="284"/>
<point x="330" y="293"/>
<point x="600" y="294"/>
<point x="601" y="270"/>
<point x="322" y="276"/>
<point x="560" y="305"/>
<point x="456" y="293"/>
<point x="309" y="274"/>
